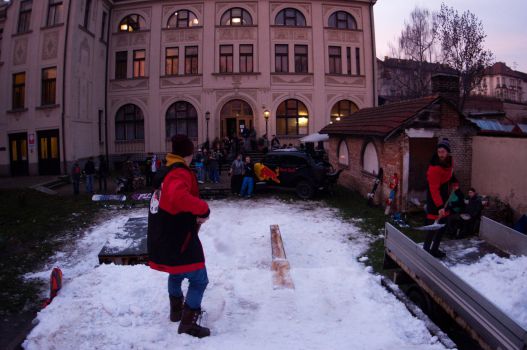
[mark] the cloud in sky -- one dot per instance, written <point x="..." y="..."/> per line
<point x="503" y="22"/>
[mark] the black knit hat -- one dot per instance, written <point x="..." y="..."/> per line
<point x="182" y="145"/>
<point x="444" y="143"/>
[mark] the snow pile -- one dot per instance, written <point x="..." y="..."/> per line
<point x="502" y="281"/>
<point x="336" y="303"/>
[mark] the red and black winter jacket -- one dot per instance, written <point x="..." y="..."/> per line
<point x="440" y="176"/>
<point x="173" y="242"/>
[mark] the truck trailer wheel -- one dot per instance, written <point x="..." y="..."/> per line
<point x="304" y="190"/>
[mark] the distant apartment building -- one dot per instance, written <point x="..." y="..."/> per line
<point x="120" y="77"/>
<point x="503" y="83"/>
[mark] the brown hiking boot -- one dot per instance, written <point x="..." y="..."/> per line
<point x="176" y="308"/>
<point x="189" y="323"/>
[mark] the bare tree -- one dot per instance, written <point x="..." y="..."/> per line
<point x="461" y="38"/>
<point x="416" y="50"/>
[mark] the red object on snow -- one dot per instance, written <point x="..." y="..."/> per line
<point x="55" y="284"/>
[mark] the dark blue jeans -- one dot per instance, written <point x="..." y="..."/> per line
<point x="198" y="281"/>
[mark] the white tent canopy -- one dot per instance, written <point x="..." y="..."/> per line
<point x="316" y="137"/>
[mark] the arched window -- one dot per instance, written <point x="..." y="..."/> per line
<point x="343" y="154"/>
<point x="290" y="17"/>
<point x="132" y="23"/>
<point x="182" y="118"/>
<point x="342" y="109"/>
<point x="183" y="19"/>
<point x="236" y="17"/>
<point x="342" y="20"/>
<point x="129" y="123"/>
<point x="370" y="161"/>
<point x="292" y="118"/>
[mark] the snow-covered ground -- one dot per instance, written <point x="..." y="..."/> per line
<point x="502" y="281"/>
<point x="336" y="304"/>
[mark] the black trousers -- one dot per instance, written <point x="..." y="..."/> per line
<point x="433" y="238"/>
<point x="236" y="183"/>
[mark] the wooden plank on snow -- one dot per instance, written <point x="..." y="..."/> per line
<point x="280" y="265"/>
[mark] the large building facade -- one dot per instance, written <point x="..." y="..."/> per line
<point x="89" y="77"/>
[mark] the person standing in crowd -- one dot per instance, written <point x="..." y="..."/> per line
<point x="248" y="178"/>
<point x="198" y="161"/>
<point x="148" y="171"/>
<point x="89" y="171"/>
<point x="440" y="177"/>
<point x="154" y="165"/>
<point x="76" y="177"/>
<point x="175" y="216"/>
<point x="103" y="174"/>
<point x="275" y="143"/>
<point x="236" y="174"/>
<point x="214" y="166"/>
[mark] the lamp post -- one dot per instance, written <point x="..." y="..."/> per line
<point x="266" y="116"/>
<point x="207" y="118"/>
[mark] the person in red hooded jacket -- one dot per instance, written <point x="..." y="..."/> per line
<point x="175" y="216"/>
<point x="440" y="178"/>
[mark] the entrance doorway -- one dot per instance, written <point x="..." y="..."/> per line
<point x="421" y="151"/>
<point x="48" y="152"/>
<point x="18" y="154"/>
<point x="236" y="116"/>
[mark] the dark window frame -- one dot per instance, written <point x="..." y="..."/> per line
<point x="181" y="114"/>
<point x="87" y="12"/>
<point x="348" y="60"/>
<point x="121" y="65"/>
<point x="139" y="64"/>
<point x="226" y="58"/>
<point x="103" y="26"/>
<point x="55" y="12"/>
<point x="281" y="59"/>
<point x="246" y="59"/>
<point x="191" y="60"/>
<point x="343" y="109"/>
<point x="245" y="17"/>
<point x="24" y="16"/>
<point x="357" y="60"/>
<point x="342" y="20"/>
<point x="134" y="23"/>
<point x="171" y="61"/>
<point x="19" y="92"/>
<point x="129" y="119"/>
<point x="291" y="109"/>
<point x="290" y="17"/>
<point x="49" y="87"/>
<point x="183" y="19"/>
<point x="301" y="59"/>
<point x="335" y="60"/>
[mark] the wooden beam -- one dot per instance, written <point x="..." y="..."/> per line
<point x="280" y="266"/>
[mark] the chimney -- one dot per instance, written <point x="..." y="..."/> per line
<point x="447" y="86"/>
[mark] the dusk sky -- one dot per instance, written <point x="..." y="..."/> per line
<point x="504" y="22"/>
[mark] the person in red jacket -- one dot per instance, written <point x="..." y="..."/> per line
<point x="175" y="216"/>
<point x="440" y="178"/>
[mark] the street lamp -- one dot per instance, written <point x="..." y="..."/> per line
<point x="266" y="116"/>
<point x="207" y="118"/>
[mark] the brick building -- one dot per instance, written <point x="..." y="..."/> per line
<point x="401" y="137"/>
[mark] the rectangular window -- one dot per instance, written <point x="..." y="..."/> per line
<point x="357" y="59"/>
<point x="281" y="59"/>
<point x="191" y="60"/>
<point x="348" y="59"/>
<point x="24" y="16"/>
<point x="301" y="59"/>
<point x="171" y="60"/>
<point x="139" y="63"/>
<point x="335" y="60"/>
<point x="19" y="90"/>
<point x="87" y="10"/>
<point x="226" y="58"/>
<point x="49" y="84"/>
<point x="103" y="26"/>
<point x="121" y="64"/>
<point x="55" y="9"/>
<point x="246" y="59"/>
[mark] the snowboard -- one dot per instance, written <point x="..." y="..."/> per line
<point x="141" y="196"/>
<point x="394" y="183"/>
<point x="108" y="197"/>
<point x="376" y="183"/>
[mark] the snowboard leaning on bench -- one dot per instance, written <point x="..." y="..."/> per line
<point x="108" y="197"/>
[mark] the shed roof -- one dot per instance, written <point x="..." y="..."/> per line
<point x="380" y="121"/>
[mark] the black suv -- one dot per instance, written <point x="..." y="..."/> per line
<point x="296" y="170"/>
